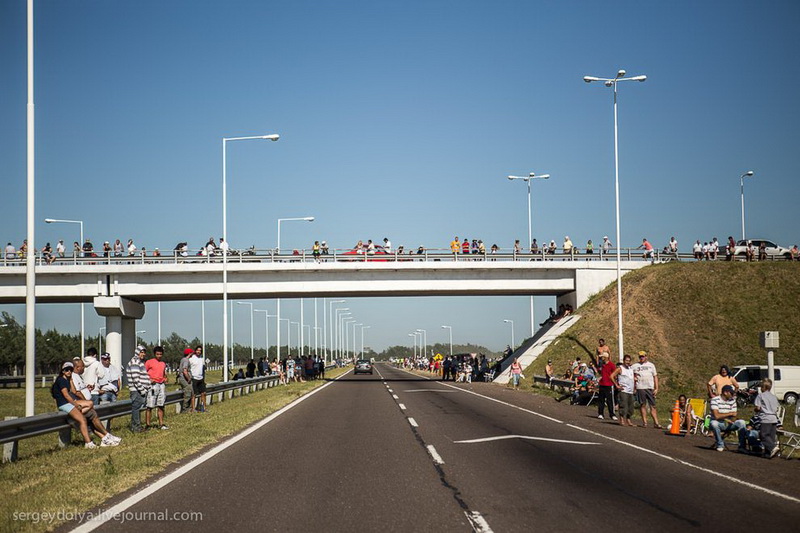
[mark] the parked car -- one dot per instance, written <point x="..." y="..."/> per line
<point x="773" y="250"/>
<point x="787" y="380"/>
<point x="362" y="255"/>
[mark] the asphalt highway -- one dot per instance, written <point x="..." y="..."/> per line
<point x="399" y="452"/>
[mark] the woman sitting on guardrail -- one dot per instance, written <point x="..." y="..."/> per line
<point x="80" y="410"/>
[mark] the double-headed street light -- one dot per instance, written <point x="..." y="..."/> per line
<point x="83" y="315"/>
<point x="424" y="341"/>
<point x="450" y="329"/>
<point x="225" y="140"/>
<point x="507" y="321"/>
<point x="330" y="346"/>
<point x="612" y="82"/>
<point x="527" y="179"/>
<point x="748" y="174"/>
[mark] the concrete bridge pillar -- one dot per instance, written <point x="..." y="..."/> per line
<point x="121" y="316"/>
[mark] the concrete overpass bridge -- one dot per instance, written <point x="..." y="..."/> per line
<point x="119" y="288"/>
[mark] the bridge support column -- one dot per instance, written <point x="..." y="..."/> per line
<point x="121" y="316"/>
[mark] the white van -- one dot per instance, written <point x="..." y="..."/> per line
<point x="787" y="380"/>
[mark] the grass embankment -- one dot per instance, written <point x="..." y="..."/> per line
<point x="691" y="318"/>
<point x="46" y="479"/>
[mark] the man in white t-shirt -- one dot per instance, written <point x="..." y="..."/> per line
<point x="646" y="382"/>
<point x="223" y="245"/>
<point x="387" y="245"/>
<point x="60" y="248"/>
<point x="197" y="370"/>
<point x="697" y="250"/>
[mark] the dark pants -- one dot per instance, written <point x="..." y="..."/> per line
<point x="137" y="402"/>
<point x="186" y="387"/>
<point x="606" y="397"/>
<point x="768" y="436"/>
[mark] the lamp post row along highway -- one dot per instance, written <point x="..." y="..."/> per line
<point x="612" y="82"/>
<point x="278" y="251"/>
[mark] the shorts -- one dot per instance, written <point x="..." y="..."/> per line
<point x="66" y="408"/>
<point x="198" y="386"/>
<point x="156" y="395"/>
<point x="645" y="396"/>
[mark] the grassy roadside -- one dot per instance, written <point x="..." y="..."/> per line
<point x="75" y="479"/>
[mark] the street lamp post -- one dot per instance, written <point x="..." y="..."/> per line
<point x="346" y="327"/>
<point x="748" y="174"/>
<point x="338" y="330"/>
<point x="527" y="179"/>
<point x="252" y="349"/>
<point x="354" y="337"/>
<point x="362" y="339"/>
<point x="298" y="336"/>
<point x="331" y="346"/>
<point x="415" y="343"/>
<point x="267" y="316"/>
<point x="288" y="336"/>
<point x="450" y="330"/>
<point x="507" y="321"/>
<point x="424" y="342"/>
<point x="83" y="314"/>
<point x="612" y="82"/>
<point x="278" y="251"/>
<point x="225" y="140"/>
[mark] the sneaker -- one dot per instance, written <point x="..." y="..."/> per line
<point x="108" y="440"/>
<point x="165" y="426"/>
<point x="614" y="418"/>
<point x="600" y="417"/>
<point x="114" y="438"/>
<point x="720" y="448"/>
<point x="90" y="445"/>
<point x="774" y="451"/>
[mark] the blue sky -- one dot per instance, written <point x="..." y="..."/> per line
<point x="399" y="119"/>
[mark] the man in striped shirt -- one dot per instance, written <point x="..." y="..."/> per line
<point x="139" y="385"/>
<point x="723" y="419"/>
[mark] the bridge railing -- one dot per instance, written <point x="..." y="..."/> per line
<point x="350" y="255"/>
<point x="12" y="430"/>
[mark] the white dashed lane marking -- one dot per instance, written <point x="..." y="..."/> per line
<point x="479" y="524"/>
<point x="402" y="406"/>
<point x="436" y="457"/>
<point x="413" y="422"/>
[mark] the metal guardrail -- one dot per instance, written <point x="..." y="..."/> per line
<point x="19" y="381"/>
<point x="16" y="429"/>
<point x="350" y="255"/>
<point x="560" y="383"/>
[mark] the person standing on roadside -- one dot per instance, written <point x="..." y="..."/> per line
<point x="185" y="379"/>
<point x="197" y="369"/>
<point x="623" y="379"/>
<point x="646" y="380"/>
<point x="157" y="395"/>
<point x="548" y="371"/>
<point x="138" y="385"/>
<point x="516" y="372"/>
<point x="766" y="405"/>
<point x="606" y="394"/>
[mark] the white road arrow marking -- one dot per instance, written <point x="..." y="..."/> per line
<point x="524" y="437"/>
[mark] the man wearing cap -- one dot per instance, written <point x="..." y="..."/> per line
<point x="723" y="418"/>
<point x="185" y="379"/>
<point x="138" y="384"/>
<point x="109" y="380"/>
<point x="157" y="395"/>
<point x="646" y="380"/>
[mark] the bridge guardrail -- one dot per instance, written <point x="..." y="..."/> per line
<point x="349" y="255"/>
<point x="13" y="430"/>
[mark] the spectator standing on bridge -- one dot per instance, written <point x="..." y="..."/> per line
<point x="47" y="254"/>
<point x="387" y="245"/>
<point x="185" y="380"/>
<point x="646" y="380"/>
<point x="76" y="249"/>
<point x="623" y="378"/>
<point x="156" y="369"/>
<point x="589" y="247"/>
<point x="88" y="249"/>
<point x="517" y="247"/>
<point x="138" y="385"/>
<point x="766" y="406"/>
<point x="316" y="251"/>
<point x="324" y="248"/>
<point x="534" y="247"/>
<point x="494" y="251"/>
<point x="723" y="419"/>
<point x="131" y="248"/>
<point x="567" y="246"/>
<point x="109" y="380"/>
<point x="223" y="246"/>
<point x="117" y="248"/>
<point x="61" y="250"/>
<point x="606" y="245"/>
<point x="11" y="252"/>
<point x="455" y="247"/>
<point x="606" y="393"/>
<point x="465" y="246"/>
<point x="197" y="368"/>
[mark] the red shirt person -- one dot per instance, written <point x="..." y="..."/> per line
<point x="157" y="372"/>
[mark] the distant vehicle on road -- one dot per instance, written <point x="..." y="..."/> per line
<point x="787" y="380"/>
<point x="363" y="366"/>
<point x="773" y="250"/>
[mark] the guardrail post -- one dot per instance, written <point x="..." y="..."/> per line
<point x="64" y="437"/>
<point x="44" y="381"/>
<point x="10" y="449"/>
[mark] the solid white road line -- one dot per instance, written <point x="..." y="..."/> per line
<point x="402" y="406"/>
<point x="479" y="524"/>
<point x="436" y="457"/>
<point x="413" y="422"/>
<point x="429" y="390"/>
<point x="105" y="516"/>
<point x="686" y="463"/>
<point x="523" y="437"/>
